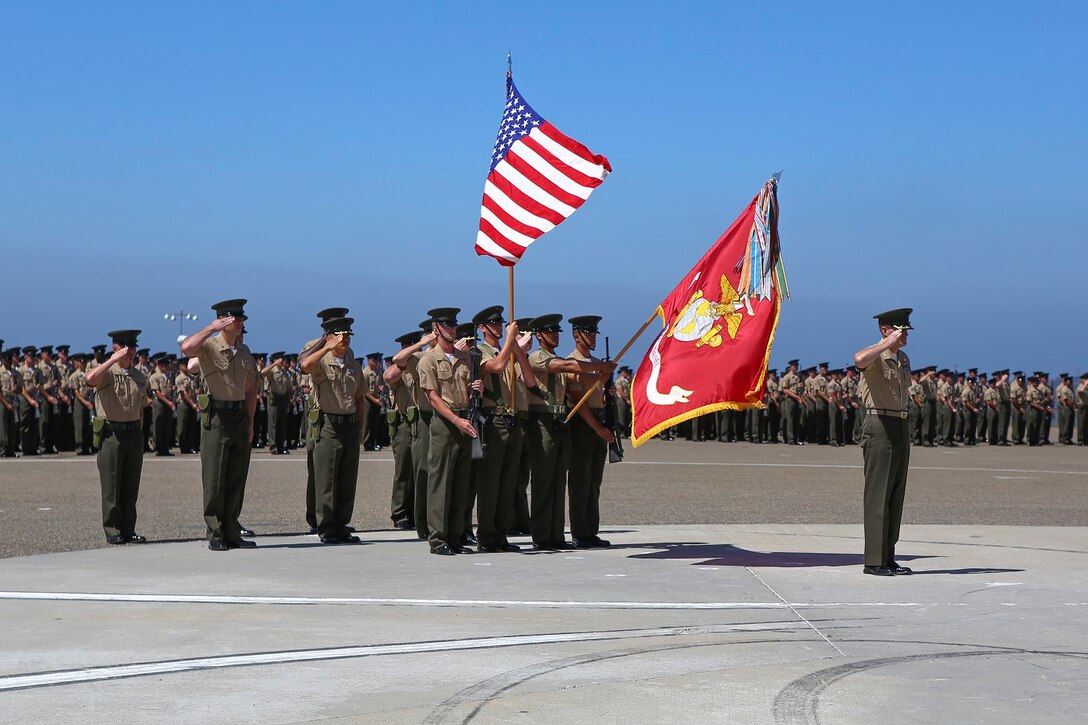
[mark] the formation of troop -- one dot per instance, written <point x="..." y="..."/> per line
<point x="822" y="406"/>
<point x="476" y="419"/>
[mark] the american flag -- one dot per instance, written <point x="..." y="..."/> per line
<point x="538" y="177"/>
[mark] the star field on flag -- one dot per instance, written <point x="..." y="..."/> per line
<point x="538" y="177"/>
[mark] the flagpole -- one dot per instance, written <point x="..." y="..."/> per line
<point x="513" y="372"/>
<point x="620" y="354"/>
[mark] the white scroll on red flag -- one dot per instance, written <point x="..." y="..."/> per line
<point x="538" y="178"/>
<point x="719" y="324"/>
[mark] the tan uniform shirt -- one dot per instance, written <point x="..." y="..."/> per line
<point x="279" y="380"/>
<point x="944" y="393"/>
<point x="1065" y="395"/>
<point x="226" y="371"/>
<point x="929" y="389"/>
<point x="969" y="396"/>
<point x="916" y="393"/>
<point x="884" y="383"/>
<point x="554" y="383"/>
<point x="77" y="383"/>
<point x="991" y="397"/>
<point x="9" y="384"/>
<point x="49" y="379"/>
<point x="30" y="380"/>
<point x="1016" y="394"/>
<point x="792" y="382"/>
<point x="502" y="396"/>
<point x="449" y="378"/>
<point x="340" y="384"/>
<point x="184" y="384"/>
<point x="159" y="383"/>
<point x="819" y="388"/>
<point x="1082" y="393"/>
<point x="121" y="394"/>
<point x="578" y="383"/>
<point x="411" y="373"/>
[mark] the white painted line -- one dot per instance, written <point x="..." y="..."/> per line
<point x="45" y="508"/>
<point x="94" y="674"/>
<point x="542" y="604"/>
<point x="795" y="612"/>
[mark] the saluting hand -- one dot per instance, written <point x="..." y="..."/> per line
<point x="222" y="323"/>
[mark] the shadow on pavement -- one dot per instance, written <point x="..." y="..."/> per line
<point x="970" y="570"/>
<point x="729" y="555"/>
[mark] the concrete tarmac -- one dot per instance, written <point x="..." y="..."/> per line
<point x="716" y="619"/>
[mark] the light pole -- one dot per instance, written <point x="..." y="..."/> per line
<point x="181" y="316"/>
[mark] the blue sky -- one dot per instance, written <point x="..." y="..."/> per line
<point x="156" y="157"/>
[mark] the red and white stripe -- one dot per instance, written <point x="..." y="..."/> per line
<point x="541" y="180"/>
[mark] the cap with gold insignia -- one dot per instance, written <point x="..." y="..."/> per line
<point x="126" y="338"/>
<point x="12" y="351"/>
<point x="338" y="325"/>
<point x="546" y="323"/>
<point x="584" y="323"/>
<point x="426" y="326"/>
<point x="466" y="330"/>
<point x="822" y="365"/>
<point x="374" y="356"/>
<point x="231" y="308"/>
<point x="488" y="315"/>
<point x="409" y="338"/>
<point x="795" y="361"/>
<point x="30" y="350"/>
<point x="99" y="348"/>
<point x="446" y="316"/>
<point x="64" y="348"/>
<point x="46" y="348"/>
<point x="524" y="324"/>
<point x="145" y="351"/>
<point x="330" y="313"/>
<point x="899" y="319"/>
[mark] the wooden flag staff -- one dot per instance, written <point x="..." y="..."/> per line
<point x="620" y="354"/>
<point x="513" y="372"/>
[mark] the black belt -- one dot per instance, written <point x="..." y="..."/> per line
<point x="342" y="419"/>
<point x="885" y="411"/>
<point x="426" y="415"/>
<point x="129" y="425"/>
<point x="227" y="404"/>
<point x="460" y="412"/>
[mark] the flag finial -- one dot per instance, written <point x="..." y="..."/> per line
<point x="509" y="66"/>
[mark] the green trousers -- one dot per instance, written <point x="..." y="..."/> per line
<point x="1082" y="424"/>
<point x="421" y="447"/>
<point x="945" y="421"/>
<point x="188" y="440"/>
<point x="277" y="421"/>
<point x="522" y="520"/>
<point x="81" y="428"/>
<point x="449" y="468"/>
<point x="120" y="461"/>
<point x="9" y="431"/>
<point x="224" y="466"/>
<point x="311" y="515"/>
<point x="336" y="476"/>
<point x="588" y="453"/>
<point x="549" y="449"/>
<point x="791" y="416"/>
<point x="402" y="504"/>
<point x="885" y="447"/>
<point x="1003" y="411"/>
<point x="497" y="480"/>
<point x="28" y="427"/>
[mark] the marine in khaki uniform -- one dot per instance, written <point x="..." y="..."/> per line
<point x="548" y="436"/>
<point x="1035" y="405"/>
<point x="163" y="407"/>
<point x="836" y="408"/>
<point x="792" y="402"/>
<point x="916" y="401"/>
<point x="185" y="388"/>
<point x="1082" y="410"/>
<point x="339" y="388"/>
<point x="1066" y="409"/>
<point x="444" y="378"/>
<point x="991" y="398"/>
<point x="928" y="381"/>
<point x="885" y="444"/>
<point x="372" y="435"/>
<point x="522" y="519"/>
<point x="402" y="418"/>
<point x="1018" y="412"/>
<point x="1048" y="404"/>
<point x="120" y="394"/>
<point x="503" y="430"/>
<point x="821" y="403"/>
<point x="970" y="403"/>
<point x="65" y="436"/>
<point x="1004" y="409"/>
<point x="227" y="419"/>
<point x="305" y="387"/>
<point x="946" y="410"/>
<point x="49" y="385"/>
<point x="9" y="403"/>
<point x="30" y="402"/>
<point x="404" y="369"/>
<point x="278" y="385"/>
<point x="82" y="406"/>
<point x="589" y="438"/>
<point x="980" y="388"/>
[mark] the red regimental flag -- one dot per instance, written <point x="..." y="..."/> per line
<point x="719" y="324"/>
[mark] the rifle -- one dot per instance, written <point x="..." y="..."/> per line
<point x="475" y="401"/>
<point x="608" y="414"/>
